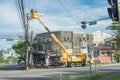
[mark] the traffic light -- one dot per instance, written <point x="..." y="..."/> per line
<point x="84" y="24"/>
<point x="113" y="11"/>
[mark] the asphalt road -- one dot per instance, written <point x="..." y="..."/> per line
<point x="13" y="72"/>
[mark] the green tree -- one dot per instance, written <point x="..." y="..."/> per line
<point x="1" y="59"/>
<point x="115" y="26"/>
<point x="20" y="47"/>
<point x="11" y="59"/>
<point x="117" y="56"/>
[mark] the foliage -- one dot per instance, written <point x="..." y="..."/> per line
<point x="11" y="59"/>
<point x="117" y="56"/>
<point x="20" y="47"/>
<point x="1" y="59"/>
<point x="115" y="26"/>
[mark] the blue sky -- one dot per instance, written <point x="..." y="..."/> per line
<point x="55" y="16"/>
<point x="6" y="44"/>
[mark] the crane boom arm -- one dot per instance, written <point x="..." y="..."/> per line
<point x="65" y="54"/>
<point x="53" y="36"/>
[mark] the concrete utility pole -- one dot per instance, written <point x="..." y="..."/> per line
<point x="27" y="41"/>
<point x="25" y="22"/>
<point x="31" y="49"/>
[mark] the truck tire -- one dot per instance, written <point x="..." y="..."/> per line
<point x="68" y="64"/>
<point x="83" y="63"/>
<point x="72" y="64"/>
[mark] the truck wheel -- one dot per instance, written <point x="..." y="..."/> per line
<point x="83" y="63"/>
<point x="72" y="64"/>
<point x="68" y="65"/>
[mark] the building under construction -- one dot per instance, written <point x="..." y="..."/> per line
<point x="45" y="47"/>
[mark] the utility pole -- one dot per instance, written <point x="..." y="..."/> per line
<point x="27" y="41"/>
<point x="31" y="49"/>
<point x="25" y="23"/>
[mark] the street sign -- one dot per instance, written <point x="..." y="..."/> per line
<point x="92" y="23"/>
<point x="10" y="39"/>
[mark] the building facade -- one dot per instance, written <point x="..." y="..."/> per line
<point x="100" y="37"/>
<point x="7" y="53"/>
<point x="103" y="47"/>
<point x="76" y="44"/>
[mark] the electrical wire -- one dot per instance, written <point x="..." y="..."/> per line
<point x="19" y="15"/>
<point x="33" y="4"/>
<point x="73" y="19"/>
<point x="22" y="13"/>
<point x="28" y="4"/>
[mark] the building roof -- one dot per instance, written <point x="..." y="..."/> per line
<point x="101" y="32"/>
<point x="103" y="47"/>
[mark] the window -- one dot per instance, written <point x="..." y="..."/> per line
<point x="40" y="48"/>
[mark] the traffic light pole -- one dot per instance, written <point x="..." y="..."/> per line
<point x="84" y="23"/>
<point x="88" y="48"/>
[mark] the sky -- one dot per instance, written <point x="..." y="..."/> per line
<point x="57" y="15"/>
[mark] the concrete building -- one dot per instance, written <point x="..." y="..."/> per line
<point x="100" y="37"/>
<point x="104" y="54"/>
<point x="103" y="46"/>
<point x="7" y="53"/>
<point x="74" y="43"/>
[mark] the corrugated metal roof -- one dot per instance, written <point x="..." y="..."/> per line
<point x="103" y="47"/>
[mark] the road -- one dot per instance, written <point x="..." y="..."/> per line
<point x="13" y="72"/>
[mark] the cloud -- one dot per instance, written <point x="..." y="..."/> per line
<point x="9" y="20"/>
<point x="55" y="16"/>
<point x="6" y="44"/>
<point x="101" y="25"/>
<point x="8" y="14"/>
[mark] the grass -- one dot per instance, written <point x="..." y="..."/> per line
<point x="94" y="76"/>
<point x="117" y="77"/>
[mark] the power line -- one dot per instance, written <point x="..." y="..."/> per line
<point x="26" y="29"/>
<point x="19" y="13"/>
<point x="66" y="10"/>
<point x="33" y="4"/>
<point x="29" y="4"/>
<point x="64" y="7"/>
